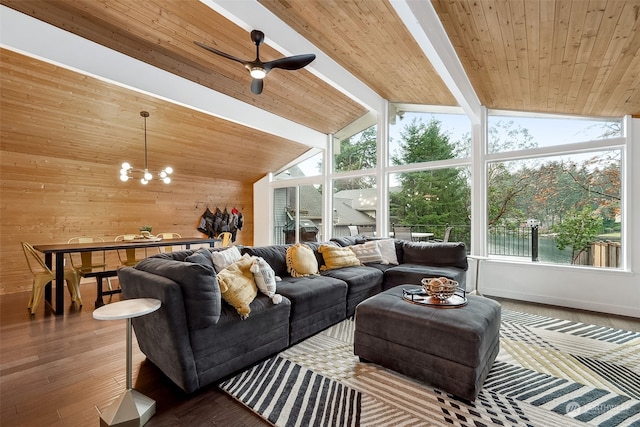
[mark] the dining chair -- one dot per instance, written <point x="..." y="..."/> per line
<point x="402" y="233"/>
<point x="85" y="262"/>
<point x="447" y="234"/>
<point x="226" y="239"/>
<point x="43" y="275"/>
<point x="168" y="236"/>
<point x="127" y="256"/>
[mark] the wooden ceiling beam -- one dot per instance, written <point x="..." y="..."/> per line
<point x="424" y="24"/>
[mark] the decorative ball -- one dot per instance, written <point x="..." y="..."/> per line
<point x="441" y="288"/>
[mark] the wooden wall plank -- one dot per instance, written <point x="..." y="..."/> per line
<point x="49" y="200"/>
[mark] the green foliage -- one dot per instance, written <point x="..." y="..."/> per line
<point x="434" y="197"/>
<point x="507" y="183"/>
<point x="423" y="143"/>
<point x="577" y="230"/>
<point x="356" y="153"/>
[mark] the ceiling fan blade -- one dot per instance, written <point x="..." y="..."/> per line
<point x="256" y="86"/>
<point x="290" y="63"/>
<point x="218" y="52"/>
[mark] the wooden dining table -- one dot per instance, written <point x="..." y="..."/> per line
<point x="60" y="249"/>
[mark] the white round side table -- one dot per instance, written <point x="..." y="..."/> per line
<point x="132" y="407"/>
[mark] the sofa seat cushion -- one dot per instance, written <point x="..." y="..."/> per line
<point x="311" y="293"/>
<point x="199" y="286"/>
<point x="412" y="274"/>
<point x="362" y="283"/>
<point x="316" y="303"/>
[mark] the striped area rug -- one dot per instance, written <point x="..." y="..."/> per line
<point x="549" y="372"/>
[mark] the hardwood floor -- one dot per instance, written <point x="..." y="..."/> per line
<point x="62" y="371"/>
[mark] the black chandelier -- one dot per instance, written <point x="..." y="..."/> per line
<point x="145" y="175"/>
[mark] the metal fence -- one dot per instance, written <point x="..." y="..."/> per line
<point x="510" y="241"/>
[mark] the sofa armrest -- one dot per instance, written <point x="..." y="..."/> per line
<point x="163" y="336"/>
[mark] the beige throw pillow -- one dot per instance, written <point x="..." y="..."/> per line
<point x="237" y="285"/>
<point x="301" y="261"/>
<point x="337" y="257"/>
<point x="388" y="251"/>
<point x="223" y="259"/>
<point x="367" y="252"/>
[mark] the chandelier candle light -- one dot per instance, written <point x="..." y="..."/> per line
<point x="128" y="171"/>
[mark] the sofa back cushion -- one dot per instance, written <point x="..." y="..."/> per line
<point x="174" y="255"/>
<point x="200" y="290"/>
<point x="275" y="255"/>
<point x="345" y="241"/>
<point x="435" y="254"/>
<point x="201" y="256"/>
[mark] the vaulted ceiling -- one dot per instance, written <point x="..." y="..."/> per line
<point x="554" y="56"/>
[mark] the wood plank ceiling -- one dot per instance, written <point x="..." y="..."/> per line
<point x="556" y="56"/>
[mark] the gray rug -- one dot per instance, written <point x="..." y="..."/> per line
<point x="549" y="372"/>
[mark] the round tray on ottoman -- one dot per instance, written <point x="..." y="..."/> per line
<point x="419" y="296"/>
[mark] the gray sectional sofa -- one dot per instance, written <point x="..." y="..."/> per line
<point x="196" y="338"/>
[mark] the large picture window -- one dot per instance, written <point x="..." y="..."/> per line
<point x="563" y="208"/>
<point x="297" y="214"/>
<point x="430" y="202"/>
<point x="554" y="185"/>
<point x="422" y="136"/>
<point x="356" y="152"/>
<point x="355" y="205"/>
<point x="311" y="165"/>
<point x="511" y="132"/>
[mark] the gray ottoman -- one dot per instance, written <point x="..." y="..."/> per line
<point x="452" y="349"/>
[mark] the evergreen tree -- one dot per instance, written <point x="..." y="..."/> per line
<point x="433" y="197"/>
<point x="356" y="153"/>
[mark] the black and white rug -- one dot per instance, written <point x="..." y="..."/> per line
<point x="549" y="372"/>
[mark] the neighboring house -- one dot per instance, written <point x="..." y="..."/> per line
<point x="350" y="207"/>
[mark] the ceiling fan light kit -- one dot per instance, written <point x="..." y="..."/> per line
<point x="127" y="171"/>
<point x="258" y="69"/>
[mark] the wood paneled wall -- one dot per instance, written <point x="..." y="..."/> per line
<point x="49" y="200"/>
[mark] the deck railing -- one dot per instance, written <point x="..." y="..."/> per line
<point x="502" y="241"/>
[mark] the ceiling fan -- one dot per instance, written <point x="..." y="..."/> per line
<point x="259" y="69"/>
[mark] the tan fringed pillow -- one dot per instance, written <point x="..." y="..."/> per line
<point x="301" y="261"/>
<point x="337" y="257"/>
<point x="237" y="285"/>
